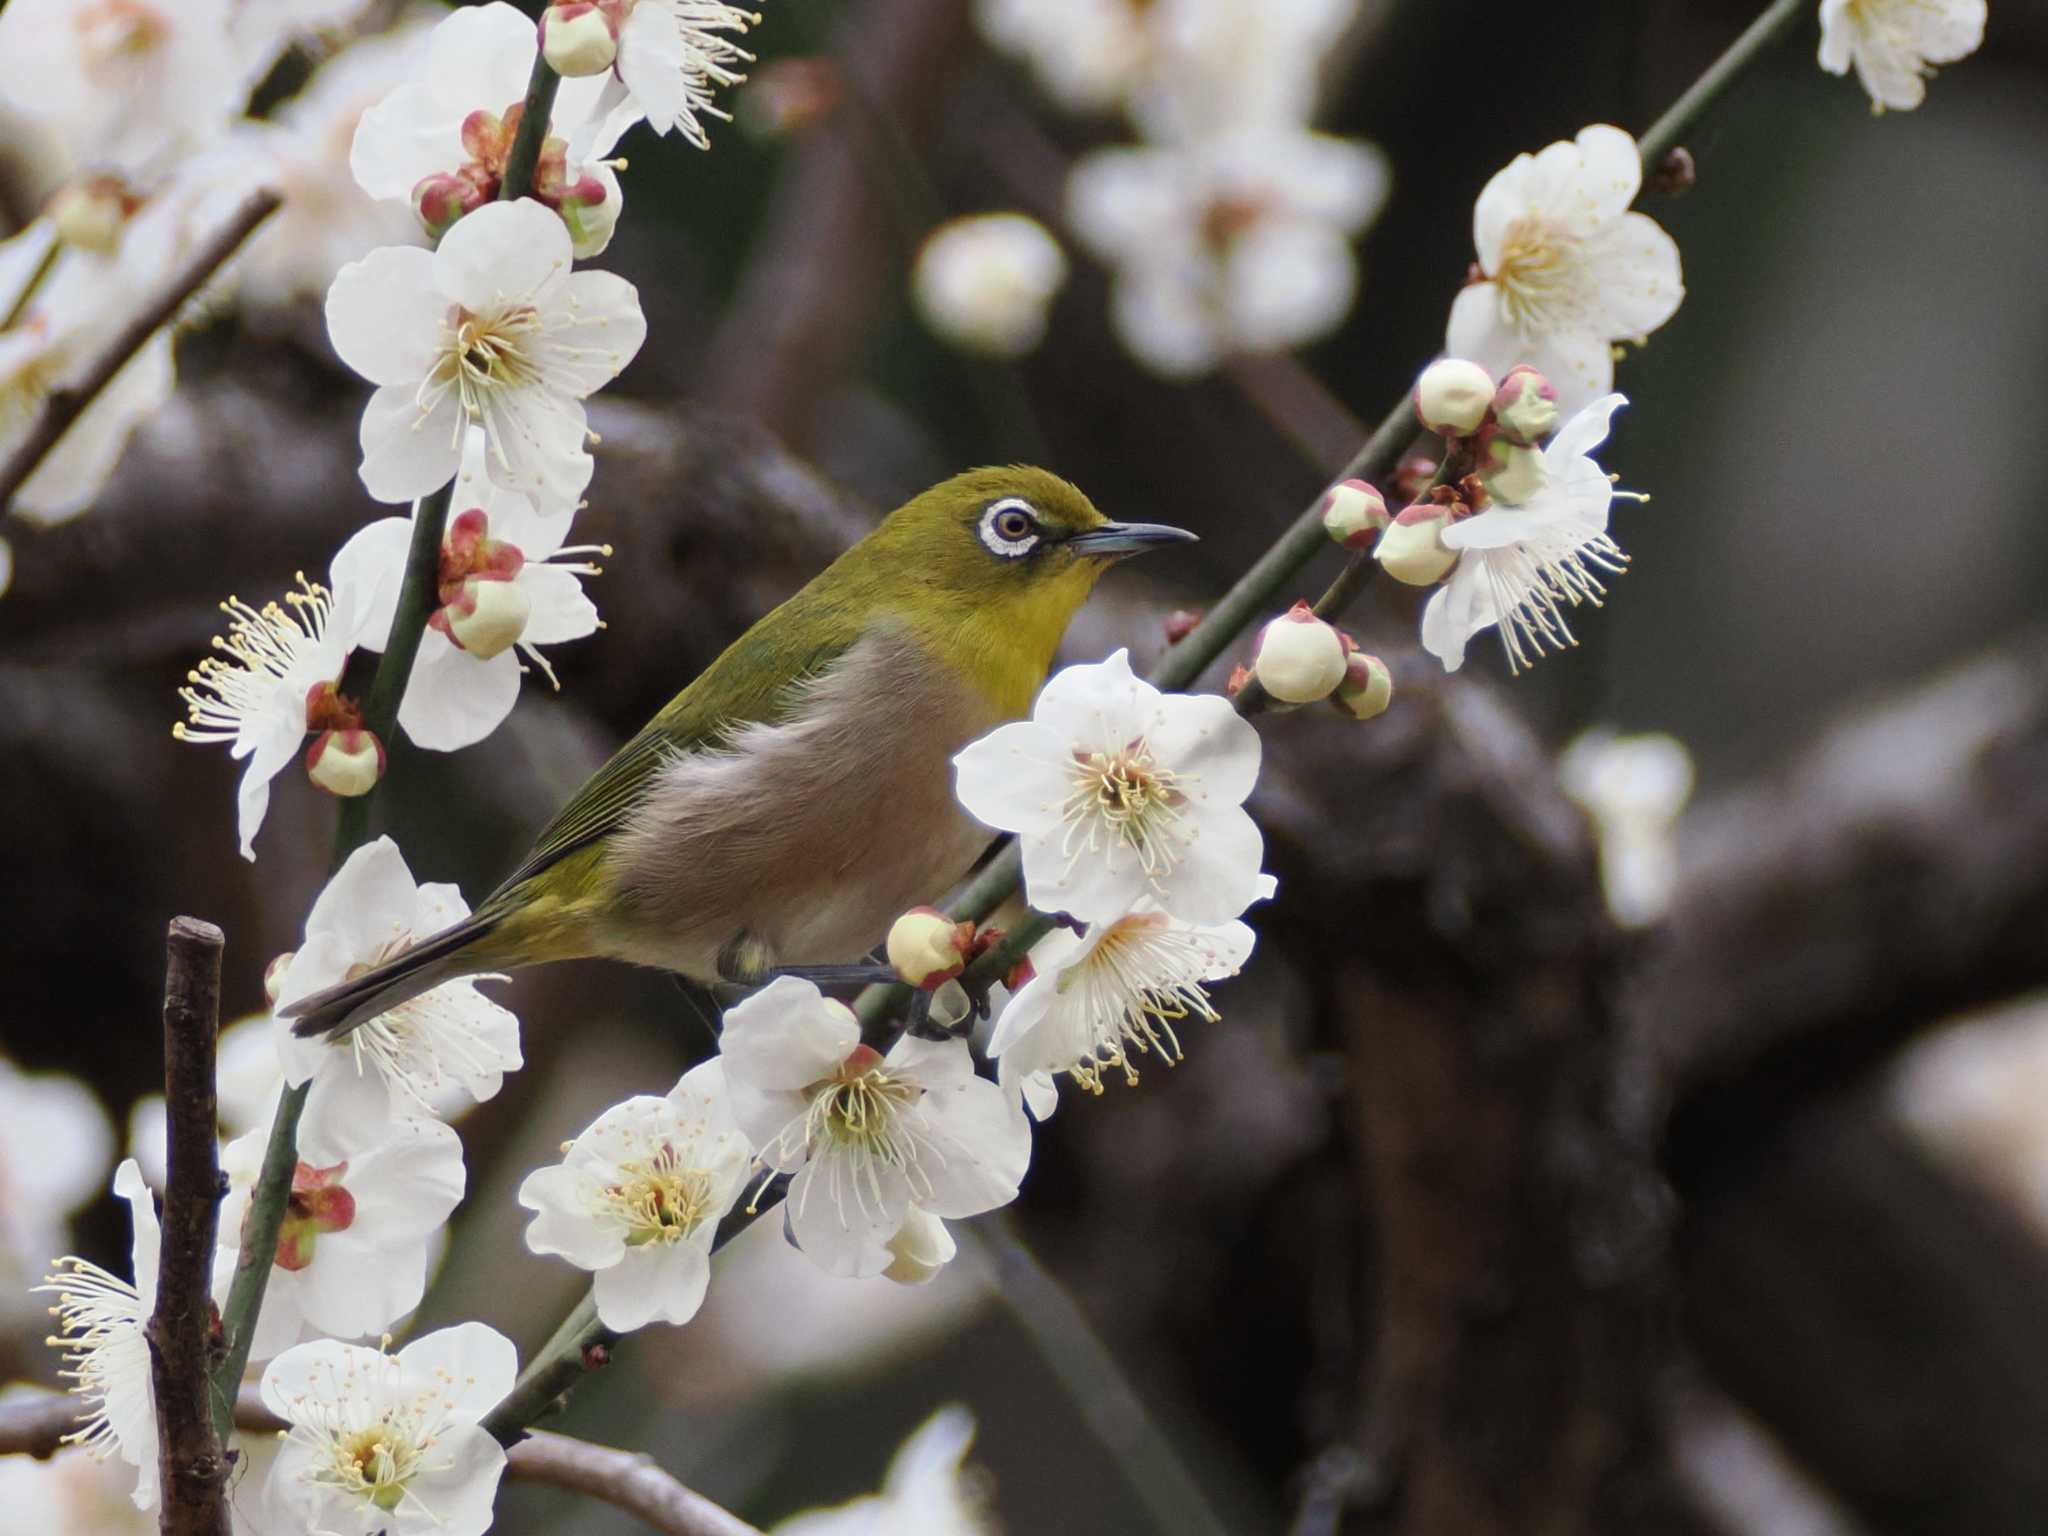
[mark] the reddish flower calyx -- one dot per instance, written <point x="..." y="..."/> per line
<point x="317" y="1203"/>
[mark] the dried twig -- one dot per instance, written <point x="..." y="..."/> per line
<point x="181" y="1330"/>
<point x="65" y="406"/>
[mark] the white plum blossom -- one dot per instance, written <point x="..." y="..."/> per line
<point x="1893" y="44"/>
<point x="1095" y="1001"/>
<point x="870" y="1138"/>
<point x="1520" y="566"/>
<point x="408" y="1059"/>
<point x="1633" y="787"/>
<point x="390" y="1444"/>
<point x="505" y="589"/>
<point x="438" y="144"/>
<point x="1568" y="270"/>
<point x="984" y="282"/>
<point x="100" y="1319"/>
<point x="326" y="220"/>
<point x="272" y="682"/>
<point x="492" y="329"/>
<point x="369" y="1197"/>
<point x="71" y="1494"/>
<point x="1088" y="54"/>
<point x="927" y="1491"/>
<point x="125" y="85"/>
<point x="1229" y="65"/>
<point x="55" y="1142"/>
<point x="1121" y="793"/>
<point x="638" y="1196"/>
<point x="61" y="324"/>
<point x="1239" y="242"/>
<point x="673" y="56"/>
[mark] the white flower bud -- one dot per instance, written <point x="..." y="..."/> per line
<point x="577" y="39"/>
<point x="1299" y="658"/>
<point x="1367" y="689"/>
<point x="1453" y="396"/>
<point x="1354" y="513"/>
<point x="1514" y="474"/>
<point x="1412" y="550"/>
<point x="985" y="282"/>
<point x="926" y="947"/>
<point x="1525" y="406"/>
<point x="922" y="1247"/>
<point x="488" y="616"/>
<point x="345" y="762"/>
<point x="91" y="214"/>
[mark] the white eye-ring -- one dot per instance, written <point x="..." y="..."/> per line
<point x="1010" y="528"/>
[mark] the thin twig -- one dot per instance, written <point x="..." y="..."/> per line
<point x="65" y="406"/>
<point x="260" y="1228"/>
<point x="570" y="1354"/>
<point x="193" y="1467"/>
<point x="1663" y="135"/>
<point x="36" y="1424"/>
<point x="626" y="1480"/>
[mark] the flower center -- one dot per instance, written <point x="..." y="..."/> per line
<point x="317" y="1203"/>
<point x="482" y="356"/>
<point x="264" y="647"/>
<point x="119" y="31"/>
<point x="422" y="1044"/>
<point x="1539" y="275"/>
<point x="1123" y="799"/>
<point x="858" y="1108"/>
<point x="1142" y="978"/>
<point x="373" y="1463"/>
<point x="660" y="1200"/>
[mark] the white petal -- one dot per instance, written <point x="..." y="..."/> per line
<point x="453" y="700"/>
<point x="986" y="1142"/>
<point x="370" y="568"/>
<point x="1610" y="173"/>
<point x="1200" y="737"/>
<point x="563" y="1222"/>
<point x="401" y="140"/>
<point x="594" y="328"/>
<point x="1163" y="311"/>
<point x="384" y="315"/>
<point x="1635" y="265"/>
<point x="475" y="1364"/>
<point x="785" y="1036"/>
<point x="537" y="444"/>
<point x="842" y="1225"/>
<point x="1586" y="430"/>
<point x="1218" y="876"/>
<point x="368" y="903"/>
<point x="407" y="455"/>
<point x="461" y="1487"/>
<point x="1089" y="888"/>
<point x="663" y="1282"/>
<point x="504" y="251"/>
<point x="562" y="610"/>
<point x="1288" y="282"/>
<point x="1015" y="778"/>
<point x="1457" y="611"/>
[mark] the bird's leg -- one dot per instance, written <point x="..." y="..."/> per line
<point x="920" y="1018"/>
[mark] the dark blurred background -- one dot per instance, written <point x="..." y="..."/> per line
<point x="1476" y="1213"/>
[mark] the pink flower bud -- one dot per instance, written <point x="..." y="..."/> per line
<point x="1525" y="406"/>
<point x="1367" y="689"/>
<point x="1453" y="396"/>
<point x="927" y="948"/>
<point x="445" y="196"/>
<point x="1354" y="513"/>
<point x="1412" y="549"/>
<point x="578" y="39"/>
<point x="1299" y="658"/>
<point x="345" y="762"/>
<point x="1181" y="623"/>
<point x="486" y="616"/>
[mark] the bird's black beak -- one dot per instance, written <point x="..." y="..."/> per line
<point x="1115" y="539"/>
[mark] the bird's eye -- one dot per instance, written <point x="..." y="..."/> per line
<point x="1009" y="528"/>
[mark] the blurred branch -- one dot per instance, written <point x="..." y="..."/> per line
<point x="181" y="1335"/>
<point x="66" y="405"/>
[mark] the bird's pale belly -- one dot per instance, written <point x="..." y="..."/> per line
<point x="807" y="837"/>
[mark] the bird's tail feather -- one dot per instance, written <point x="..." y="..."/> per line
<point x="340" y="1009"/>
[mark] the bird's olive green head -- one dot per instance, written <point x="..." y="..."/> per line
<point x="991" y="564"/>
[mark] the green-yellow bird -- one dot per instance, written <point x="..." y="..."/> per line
<point x="789" y="803"/>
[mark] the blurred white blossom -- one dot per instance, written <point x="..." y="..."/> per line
<point x="368" y="1199"/>
<point x="638" y="1196"/>
<point x="1974" y="1089"/>
<point x="928" y="1491"/>
<point x="272" y="682"/>
<point x="868" y="1137"/>
<point x="984" y="282"/>
<point x="1893" y="44"/>
<point x="62" y="323"/>
<point x="390" y="1443"/>
<point x="492" y="329"/>
<point x="1095" y="1001"/>
<point x="406" y="1060"/>
<point x="1521" y="565"/>
<point x="500" y="597"/>
<point x="1121" y="793"/>
<point x="1239" y="242"/>
<point x="72" y="1494"/>
<point x="1633" y="787"/>
<point x="55" y="1143"/>
<point x="327" y="220"/>
<point x="100" y="1319"/>
<point x="1221" y="66"/>
<point x="1567" y="270"/>
<point x="1088" y="54"/>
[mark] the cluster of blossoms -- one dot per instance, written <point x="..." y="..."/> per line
<point x="1229" y="228"/>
